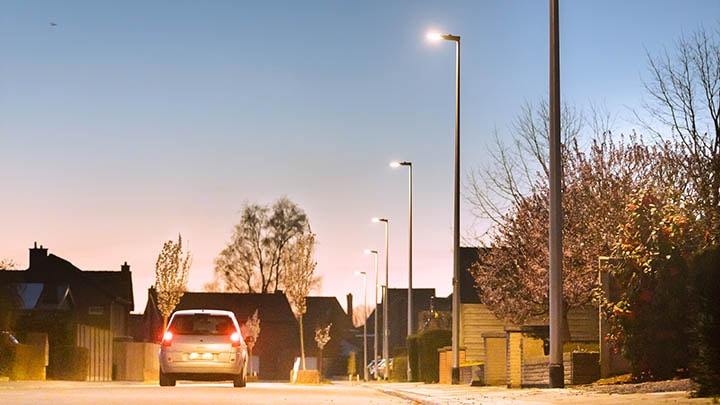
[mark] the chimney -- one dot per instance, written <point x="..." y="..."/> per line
<point x="37" y="256"/>
<point x="350" y="307"/>
<point x="125" y="268"/>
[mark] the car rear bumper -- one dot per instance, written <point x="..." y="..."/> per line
<point x="224" y="363"/>
<point x="202" y="368"/>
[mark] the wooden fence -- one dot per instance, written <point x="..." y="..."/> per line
<point x="99" y="343"/>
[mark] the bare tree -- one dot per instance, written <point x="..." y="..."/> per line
<point x="7" y="264"/>
<point x="322" y="336"/>
<point x="171" y="275"/>
<point x="300" y="279"/>
<point x="512" y="276"/>
<point x="252" y="260"/>
<point x="515" y="168"/>
<point x="251" y="331"/>
<point x="684" y="91"/>
<point x="212" y="286"/>
<point x="512" y="191"/>
<point x="287" y="222"/>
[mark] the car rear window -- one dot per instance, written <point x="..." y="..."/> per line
<point x="202" y="324"/>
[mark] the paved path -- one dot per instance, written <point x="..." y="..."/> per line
<point x="441" y="394"/>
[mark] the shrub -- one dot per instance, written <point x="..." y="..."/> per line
<point x="650" y="322"/>
<point x="706" y="367"/>
<point x="398" y="372"/>
<point x="351" y="364"/>
<point x="70" y="363"/>
<point x="429" y="359"/>
<point x="412" y="349"/>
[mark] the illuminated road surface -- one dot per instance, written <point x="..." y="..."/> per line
<point x="124" y="393"/>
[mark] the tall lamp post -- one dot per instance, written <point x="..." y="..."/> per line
<point x="555" y="294"/>
<point x="386" y="332"/>
<point x="410" y="257"/>
<point x="456" y="214"/>
<point x="375" y="318"/>
<point x="365" y="370"/>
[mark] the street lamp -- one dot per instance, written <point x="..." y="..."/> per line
<point x="410" y="256"/>
<point x="556" y="369"/>
<point x="365" y="370"/>
<point x="456" y="215"/>
<point x="375" y="326"/>
<point x="386" y="332"/>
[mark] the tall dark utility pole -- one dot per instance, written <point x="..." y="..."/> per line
<point x="557" y="373"/>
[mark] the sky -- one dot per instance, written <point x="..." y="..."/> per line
<point x="124" y="124"/>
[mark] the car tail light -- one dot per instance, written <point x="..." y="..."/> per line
<point x="235" y="339"/>
<point x="167" y="339"/>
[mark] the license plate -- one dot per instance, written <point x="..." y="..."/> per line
<point x="200" y="356"/>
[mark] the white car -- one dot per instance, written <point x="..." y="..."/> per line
<point x="382" y="368"/>
<point x="378" y="366"/>
<point x="203" y="344"/>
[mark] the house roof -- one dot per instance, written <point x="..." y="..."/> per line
<point x="86" y="286"/>
<point x="323" y="310"/>
<point x="271" y="307"/>
<point x="109" y="284"/>
<point x="468" y="291"/>
<point x="421" y="301"/>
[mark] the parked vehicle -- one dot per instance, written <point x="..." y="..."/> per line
<point x="371" y="368"/>
<point x="384" y="368"/>
<point x="203" y="344"/>
<point x="379" y="368"/>
<point x="8" y="342"/>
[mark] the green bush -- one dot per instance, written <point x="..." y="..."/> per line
<point x="650" y="322"/>
<point x="706" y="367"/>
<point x="398" y="372"/>
<point x="351" y="364"/>
<point x="70" y="363"/>
<point x="412" y="349"/>
<point x="428" y="357"/>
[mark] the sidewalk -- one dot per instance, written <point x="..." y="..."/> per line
<point x="442" y="394"/>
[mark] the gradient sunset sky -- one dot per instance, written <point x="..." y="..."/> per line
<point x="129" y="122"/>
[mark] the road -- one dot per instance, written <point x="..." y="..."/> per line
<point x="123" y="393"/>
<point x="342" y="393"/>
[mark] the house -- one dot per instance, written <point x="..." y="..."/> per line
<point x="276" y="346"/>
<point x="322" y="311"/>
<point x="423" y="299"/>
<point x="73" y="307"/>
<point x="101" y="299"/>
<point x="504" y="348"/>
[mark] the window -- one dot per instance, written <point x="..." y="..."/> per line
<point x="201" y="324"/>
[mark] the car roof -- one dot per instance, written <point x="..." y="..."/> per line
<point x="205" y="312"/>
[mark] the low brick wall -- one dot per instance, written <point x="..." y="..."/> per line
<point x="472" y="374"/>
<point x="305" y="377"/>
<point x="585" y="367"/>
<point x="135" y="361"/>
<point x="580" y="368"/>
<point x="445" y="363"/>
<point x="535" y="371"/>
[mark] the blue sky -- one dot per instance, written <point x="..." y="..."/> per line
<point x="130" y="122"/>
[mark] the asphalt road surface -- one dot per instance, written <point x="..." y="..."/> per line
<point x="123" y="393"/>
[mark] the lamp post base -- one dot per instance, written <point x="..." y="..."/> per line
<point x="557" y="376"/>
<point x="455" y="376"/>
